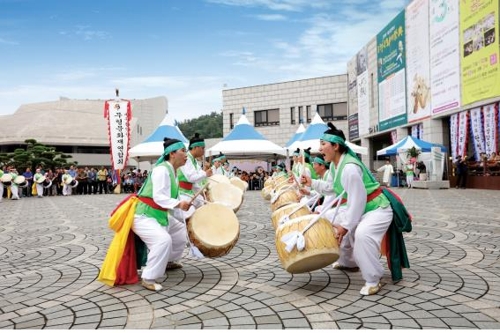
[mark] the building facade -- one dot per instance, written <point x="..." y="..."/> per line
<point x="77" y="127"/>
<point x="276" y="109"/>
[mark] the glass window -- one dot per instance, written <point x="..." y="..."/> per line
<point x="308" y="114"/>
<point x="267" y="117"/>
<point x="292" y="115"/>
<point x="301" y="116"/>
<point x="231" y="125"/>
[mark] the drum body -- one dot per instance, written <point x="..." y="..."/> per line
<point x="291" y="211"/>
<point x="214" y="229"/>
<point x="226" y="194"/>
<point x="266" y="192"/>
<point x="321" y="247"/>
<point x="284" y="197"/>
<point x="47" y="183"/>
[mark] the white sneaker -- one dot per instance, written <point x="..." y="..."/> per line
<point x="370" y="290"/>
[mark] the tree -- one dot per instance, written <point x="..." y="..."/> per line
<point x="35" y="154"/>
<point x="209" y="126"/>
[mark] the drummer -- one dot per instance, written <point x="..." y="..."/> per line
<point x="14" y="189"/>
<point x="191" y="175"/>
<point x="363" y="218"/>
<point x="39" y="184"/>
<point x="217" y="167"/>
<point x="1" y="185"/>
<point x="322" y="169"/>
<point x="157" y="219"/>
<point x="67" y="189"/>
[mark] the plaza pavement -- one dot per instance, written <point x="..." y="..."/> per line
<point x="51" y="250"/>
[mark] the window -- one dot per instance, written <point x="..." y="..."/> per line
<point x="334" y="111"/>
<point x="301" y="116"/>
<point x="267" y="117"/>
<point x="231" y="124"/>
<point x="308" y="114"/>
<point x="292" y="115"/>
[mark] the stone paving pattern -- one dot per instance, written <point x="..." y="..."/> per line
<point x="51" y="250"/>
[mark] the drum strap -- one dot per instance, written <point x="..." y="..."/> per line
<point x="369" y="197"/>
<point x="150" y="202"/>
<point x="186" y="185"/>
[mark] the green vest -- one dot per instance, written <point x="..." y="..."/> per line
<point x="311" y="169"/>
<point x="370" y="185"/>
<point x="182" y="178"/>
<point x="147" y="191"/>
<point x="1" y="172"/>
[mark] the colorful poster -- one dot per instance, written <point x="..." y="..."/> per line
<point x="417" y="61"/>
<point x="490" y="118"/>
<point x="479" y="50"/>
<point x="352" y="74"/>
<point x="391" y="62"/>
<point x="118" y="114"/>
<point x="353" y="127"/>
<point x="445" y="55"/>
<point x="363" y="91"/>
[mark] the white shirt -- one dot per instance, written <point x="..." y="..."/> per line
<point x="193" y="172"/>
<point x="352" y="182"/>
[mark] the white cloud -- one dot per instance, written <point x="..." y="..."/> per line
<point x="285" y="5"/>
<point x="271" y="17"/>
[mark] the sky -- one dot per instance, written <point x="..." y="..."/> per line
<point x="186" y="50"/>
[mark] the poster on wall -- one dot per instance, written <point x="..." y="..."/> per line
<point x="417" y="61"/>
<point x="479" y="50"/>
<point x="391" y="62"/>
<point x="445" y="55"/>
<point x="352" y="121"/>
<point x="363" y="91"/>
<point x="352" y="74"/>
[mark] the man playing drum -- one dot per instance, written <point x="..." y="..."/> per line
<point x="190" y="175"/>
<point x="39" y="178"/>
<point x="157" y="220"/>
<point x="364" y="218"/>
<point x="14" y="189"/>
<point x="191" y="178"/>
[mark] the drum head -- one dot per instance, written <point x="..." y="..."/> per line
<point x="214" y="229"/>
<point x="20" y="180"/>
<point x="217" y="179"/>
<point x="6" y="178"/>
<point x="226" y="194"/>
<point x="239" y="183"/>
<point x="41" y="180"/>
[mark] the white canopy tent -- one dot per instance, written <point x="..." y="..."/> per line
<point x="152" y="147"/>
<point x="312" y="135"/>
<point x="244" y="142"/>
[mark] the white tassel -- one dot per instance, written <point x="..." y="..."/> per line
<point x="195" y="252"/>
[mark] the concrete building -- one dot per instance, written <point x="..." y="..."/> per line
<point x="77" y="127"/>
<point x="275" y="109"/>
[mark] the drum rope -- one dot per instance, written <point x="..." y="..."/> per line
<point x="285" y="218"/>
<point x="296" y="239"/>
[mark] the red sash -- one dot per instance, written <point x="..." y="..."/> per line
<point x="150" y="202"/>
<point x="186" y="185"/>
<point x="369" y="197"/>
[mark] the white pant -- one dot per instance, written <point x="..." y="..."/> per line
<point x="1" y="191"/>
<point x="409" y="180"/>
<point x="39" y="190"/>
<point x="164" y="243"/>
<point x="15" y="192"/>
<point x="66" y="189"/>
<point x="361" y="246"/>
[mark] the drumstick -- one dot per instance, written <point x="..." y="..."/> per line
<point x="197" y="193"/>
<point x="205" y="201"/>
